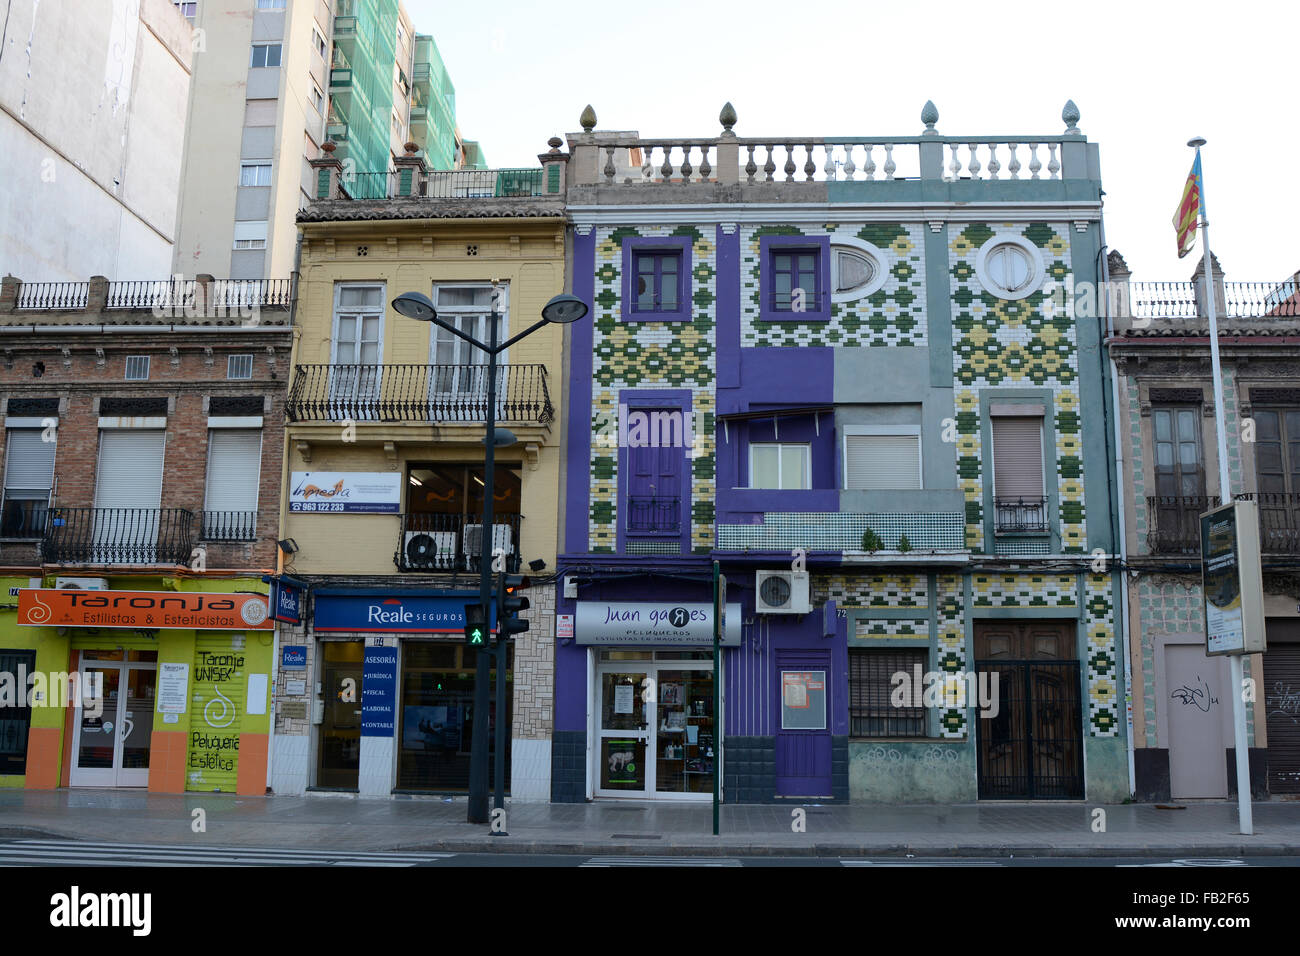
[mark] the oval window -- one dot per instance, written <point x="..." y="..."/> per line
<point x="857" y="269"/>
<point x="1009" y="267"/>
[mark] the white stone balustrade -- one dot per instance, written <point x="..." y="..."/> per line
<point x="816" y="159"/>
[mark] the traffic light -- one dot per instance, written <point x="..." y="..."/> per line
<point x="476" y="625"/>
<point x="510" y="603"/>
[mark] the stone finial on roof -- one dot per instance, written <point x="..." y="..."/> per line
<point x="1116" y="265"/>
<point x="588" y="119"/>
<point x="1070" y="116"/>
<point x="555" y="143"/>
<point x="728" y="116"/>
<point x="930" y="116"/>
<point x="1200" y="268"/>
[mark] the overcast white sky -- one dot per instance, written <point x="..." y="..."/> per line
<point x="1146" y="77"/>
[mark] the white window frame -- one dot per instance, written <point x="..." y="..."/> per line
<point x="317" y="98"/>
<point x="1036" y="271"/>
<point x="806" y="447"/>
<point x="256" y="168"/>
<point x="318" y="40"/>
<point x="126" y="373"/>
<point x="881" y="431"/>
<point x="244" y="358"/>
<point x="884" y="262"/>
<point x="380" y="310"/>
<point x="449" y="312"/>
<point x="252" y="236"/>
<point x="266" y="57"/>
<point x="240" y="425"/>
<point x="180" y="5"/>
<point x="270" y="4"/>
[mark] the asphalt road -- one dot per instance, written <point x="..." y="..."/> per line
<point x="19" y="853"/>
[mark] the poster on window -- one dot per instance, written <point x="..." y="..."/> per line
<point x="803" y="700"/>
<point x="623" y="699"/>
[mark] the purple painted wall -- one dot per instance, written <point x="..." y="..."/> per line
<point x="752" y="704"/>
<point x="578" y="455"/>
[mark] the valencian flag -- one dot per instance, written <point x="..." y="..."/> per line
<point x="1189" y="208"/>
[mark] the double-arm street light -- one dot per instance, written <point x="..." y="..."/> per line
<point x="561" y="310"/>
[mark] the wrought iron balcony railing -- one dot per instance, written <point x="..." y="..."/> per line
<point x="1020" y="515"/>
<point x="417" y="393"/>
<point x="118" y="536"/>
<point x="1279" y="522"/>
<point x="454" y="542"/>
<point x="1174" y="523"/>
<point x="654" y="514"/>
<point x="229" y="526"/>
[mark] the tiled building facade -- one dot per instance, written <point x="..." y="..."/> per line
<point x="845" y="370"/>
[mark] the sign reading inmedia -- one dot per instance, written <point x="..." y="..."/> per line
<point x="653" y="622"/>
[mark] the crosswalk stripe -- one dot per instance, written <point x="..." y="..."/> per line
<point x="877" y="863"/>
<point x="660" y="861"/>
<point x="185" y="847"/>
<point x="63" y="852"/>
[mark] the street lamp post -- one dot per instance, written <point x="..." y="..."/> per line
<point x="561" y="310"/>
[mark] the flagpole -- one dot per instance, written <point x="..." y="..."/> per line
<point x="1235" y="661"/>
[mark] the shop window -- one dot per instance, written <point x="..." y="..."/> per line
<point x="15" y="718"/>
<point x="438" y="715"/>
<point x="871" y="682"/>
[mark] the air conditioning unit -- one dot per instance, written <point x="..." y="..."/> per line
<point x="430" y="550"/>
<point x="474" y="539"/>
<point x="781" y="592"/>
<point x="81" y="584"/>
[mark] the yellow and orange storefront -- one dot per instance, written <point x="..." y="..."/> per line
<point x="152" y="682"/>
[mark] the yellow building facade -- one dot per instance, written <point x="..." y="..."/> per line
<point x="381" y="513"/>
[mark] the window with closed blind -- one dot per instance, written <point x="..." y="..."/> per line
<point x="234" y="467"/>
<point x="29" y="476"/>
<point x="886" y="459"/>
<point x="1020" y="505"/>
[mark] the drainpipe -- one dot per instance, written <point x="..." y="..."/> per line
<point x="1118" y="528"/>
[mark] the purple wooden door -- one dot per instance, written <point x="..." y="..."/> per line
<point x="803" y="735"/>
<point x="654" y="482"/>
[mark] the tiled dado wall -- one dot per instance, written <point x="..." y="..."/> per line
<point x="893" y="315"/>
<point x="642" y="354"/>
<point x="1003" y="343"/>
<point x="897" y="593"/>
<point x="1054" y="593"/>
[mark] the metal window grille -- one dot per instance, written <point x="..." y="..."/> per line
<point x="137" y="368"/>
<point x="239" y="366"/>
<point x="871" y="671"/>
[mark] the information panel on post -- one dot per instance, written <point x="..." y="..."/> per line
<point x="1231" y="580"/>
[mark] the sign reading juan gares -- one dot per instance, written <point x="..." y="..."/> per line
<point x="50" y="607"/>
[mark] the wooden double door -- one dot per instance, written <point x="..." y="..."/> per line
<point x="1032" y="747"/>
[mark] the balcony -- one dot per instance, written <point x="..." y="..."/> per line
<point x="1020" y="515"/>
<point x="1174" y="523"/>
<point x="417" y="393"/>
<point x="930" y="533"/>
<point x="441" y="184"/>
<point x="1279" y="522"/>
<point x="229" y="526"/>
<point x="118" y="536"/>
<point x="451" y="543"/>
<point x="654" y="515"/>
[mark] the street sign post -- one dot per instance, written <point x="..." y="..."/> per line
<point x="1232" y="595"/>
<point x="719" y="628"/>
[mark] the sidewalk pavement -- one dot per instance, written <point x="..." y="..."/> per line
<point x="348" y="823"/>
